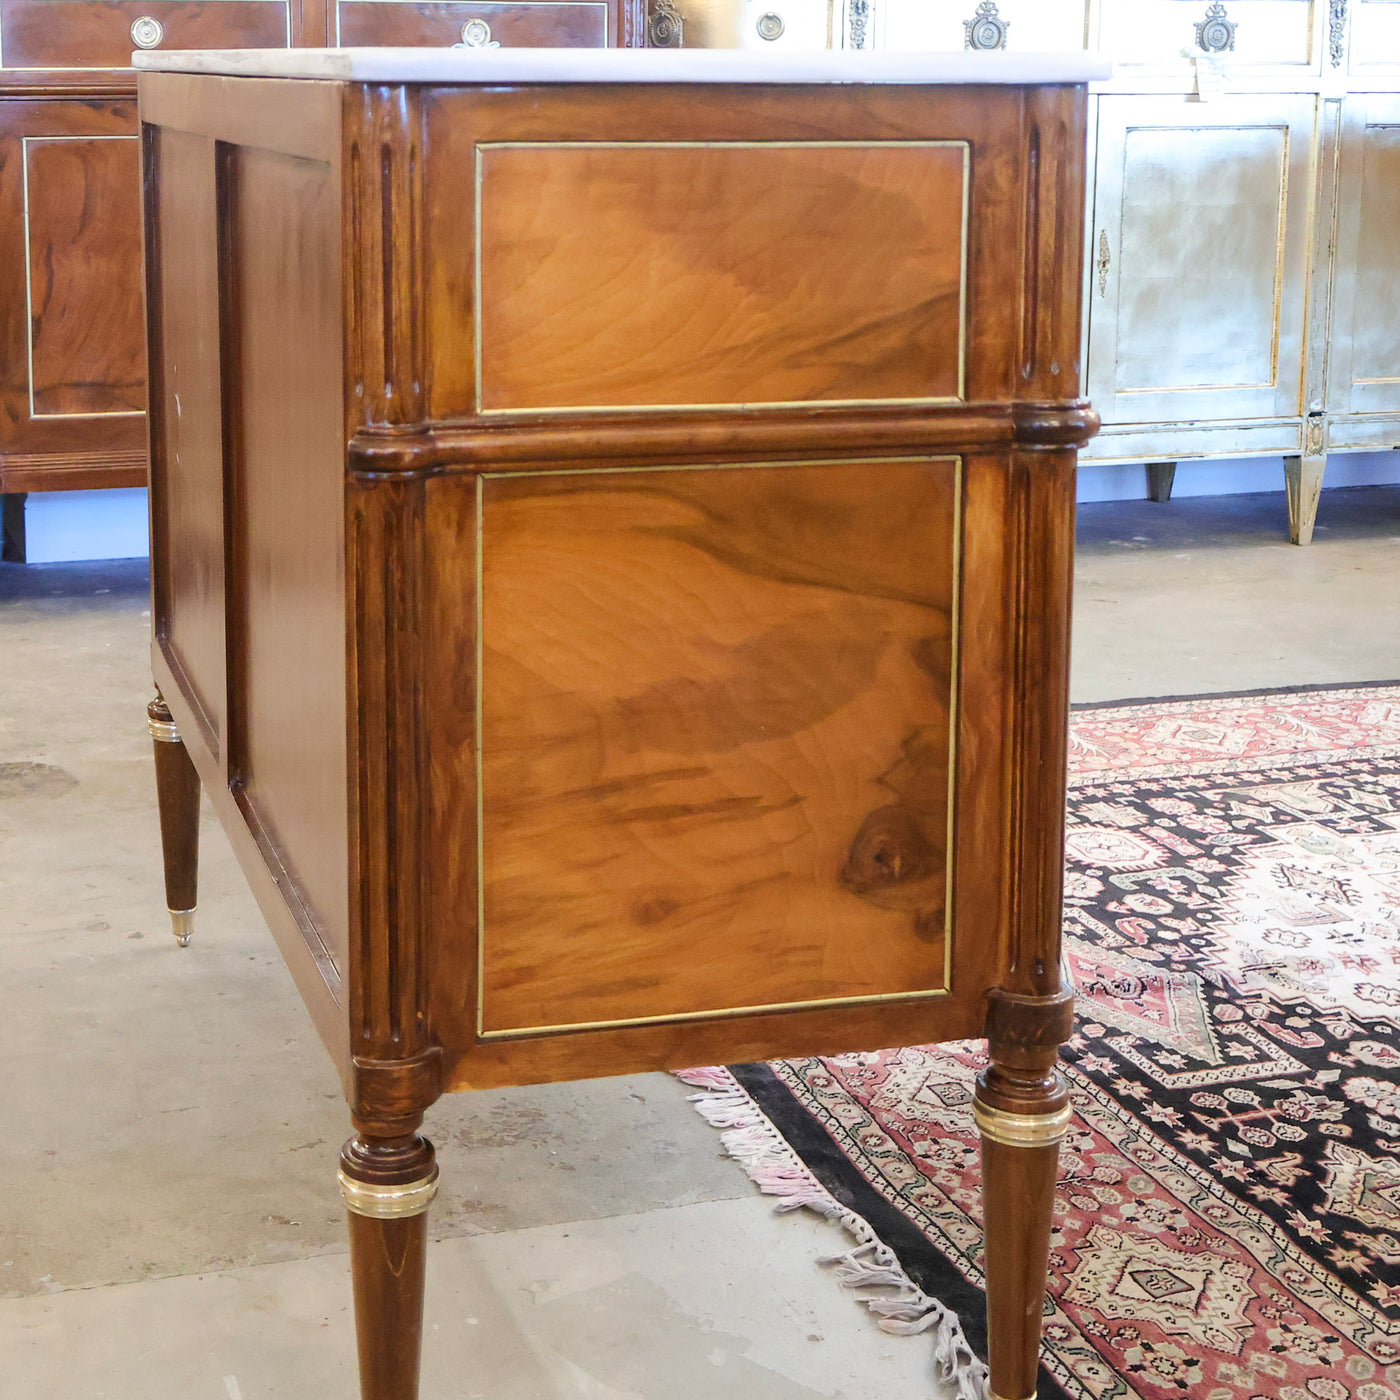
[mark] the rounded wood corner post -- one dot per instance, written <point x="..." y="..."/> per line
<point x="177" y="793"/>
<point x="388" y="1175"/>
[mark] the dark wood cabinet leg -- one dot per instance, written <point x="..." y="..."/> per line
<point x="1022" y="1111"/>
<point x="177" y="790"/>
<point x="1160" y="476"/>
<point x="388" y="1184"/>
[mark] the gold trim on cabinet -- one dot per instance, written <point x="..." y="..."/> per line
<point x="955" y="650"/>
<point x="29" y="285"/>
<point x="931" y="401"/>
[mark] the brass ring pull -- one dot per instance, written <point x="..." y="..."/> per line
<point x="476" y="34"/>
<point x="147" y="32"/>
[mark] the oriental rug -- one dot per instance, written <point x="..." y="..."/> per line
<point x="1228" y="1218"/>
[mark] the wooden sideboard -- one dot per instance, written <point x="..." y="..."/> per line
<point x="613" y="523"/>
<point x="72" y="352"/>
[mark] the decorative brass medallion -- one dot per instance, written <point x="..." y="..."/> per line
<point x="1215" y="33"/>
<point x="986" y="29"/>
<point x="147" y="32"/>
<point x="476" y="34"/>
<point x="770" y="26"/>
<point x="665" y="26"/>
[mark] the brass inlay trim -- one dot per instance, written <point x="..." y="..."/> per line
<point x="29" y="282"/>
<point x="182" y="925"/>
<point x="728" y="407"/>
<point x="163" y="731"/>
<point x="992" y="1395"/>
<point x="726" y="1012"/>
<point x="1021" y="1129"/>
<point x="378" y="1202"/>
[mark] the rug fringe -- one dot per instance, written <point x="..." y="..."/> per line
<point x="901" y="1306"/>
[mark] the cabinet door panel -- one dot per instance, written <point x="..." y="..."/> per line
<point x="72" y="343"/>
<point x="942" y="24"/>
<point x="1375" y="39"/>
<point x="1199" y="246"/>
<point x="1365" y="344"/>
<point x="82" y="223"/>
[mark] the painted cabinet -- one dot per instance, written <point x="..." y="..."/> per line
<point x="1242" y="279"/>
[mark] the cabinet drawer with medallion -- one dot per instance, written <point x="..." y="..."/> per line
<point x="1024" y="25"/>
<point x="556" y="24"/>
<point x="1284" y="35"/>
<point x="103" y="33"/>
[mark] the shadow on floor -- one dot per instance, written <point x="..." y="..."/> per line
<point x="1255" y="521"/>
<point x="105" y="580"/>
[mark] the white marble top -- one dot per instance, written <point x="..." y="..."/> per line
<point x="424" y="65"/>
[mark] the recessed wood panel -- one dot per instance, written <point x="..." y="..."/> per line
<point x="283" y="348"/>
<point x="1375" y="329"/>
<point x="552" y="24"/>
<point x="715" y="738"/>
<point x="664" y="274"/>
<point x="82" y="214"/>
<point x="189" y="455"/>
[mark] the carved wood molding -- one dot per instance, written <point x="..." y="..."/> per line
<point x="384" y="199"/>
<point x="395" y="1072"/>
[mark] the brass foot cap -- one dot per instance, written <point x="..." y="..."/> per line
<point x="182" y="924"/>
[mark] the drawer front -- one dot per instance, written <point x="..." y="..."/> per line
<point x="551" y="24"/>
<point x="1168" y="34"/>
<point x="1024" y="25"/>
<point x="758" y="24"/>
<point x="103" y="33"/>
<point x="1375" y="39"/>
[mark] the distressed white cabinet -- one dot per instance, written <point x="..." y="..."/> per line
<point x="1200" y="248"/>
<point x="1242" y="293"/>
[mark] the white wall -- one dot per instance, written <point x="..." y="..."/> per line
<point x="62" y="525"/>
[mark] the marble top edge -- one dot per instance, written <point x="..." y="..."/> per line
<point x="387" y="65"/>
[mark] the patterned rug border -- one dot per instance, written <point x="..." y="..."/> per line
<point x="762" y="1127"/>
<point x="1138" y="702"/>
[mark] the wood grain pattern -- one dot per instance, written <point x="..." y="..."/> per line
<point x="83" y="229"/>
<point x="97" y="33"/>
<point x="76" y="247"/>
<point x="637" y="275"/>
<point x="559" y="24"/>
<point x="188" y="576"/>
<point x="281" y="315"/>
<point x="715" y="738"/>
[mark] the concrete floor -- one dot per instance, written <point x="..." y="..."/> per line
<point x="169" y="1224"/>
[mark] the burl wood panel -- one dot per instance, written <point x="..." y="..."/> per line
<point x="646" y="275"/>
<point x="715" y="738"/>
<point x="97" y="33"/>
<point x="82" y="213"/>
<point x="188" y="458"/>
<point x="557" y="25"/>
<point x="287" y="758"/>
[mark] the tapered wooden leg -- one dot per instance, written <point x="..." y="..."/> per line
<point x="388" y="1185"/>
<point x="177" y="791"/>
<point x="1022" y="1110"/>
<point x="1303" y="477"/>
<point x="1160" y="476"/>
